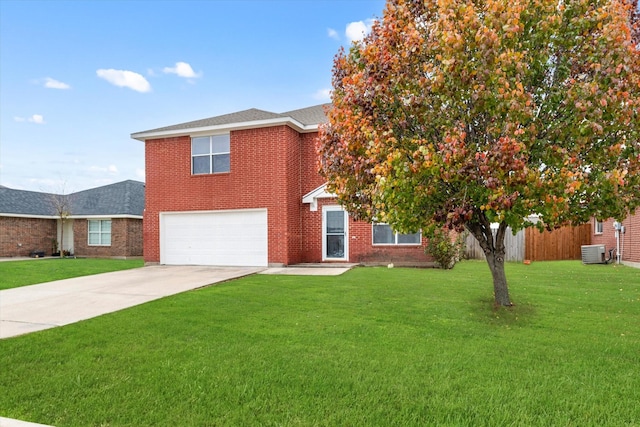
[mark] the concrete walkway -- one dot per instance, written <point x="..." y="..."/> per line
<point x="9" y="422"/>
<point x="47" y="305"/>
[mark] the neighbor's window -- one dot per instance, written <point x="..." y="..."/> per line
<point x="99" y="232"/>
<point x="210" y="154"/>
<point x="598" y="227"/>
<point x="384" y="235"/>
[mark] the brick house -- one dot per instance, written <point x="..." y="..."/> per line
<point x="102" y="222"/>
<point x="628" y="240"/>
<point x="244" y="189"/>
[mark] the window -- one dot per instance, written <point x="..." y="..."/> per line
<point x="598" y="227"/>
<point x="100" y="232"/>
<point x="210" y="154"/>
<point x="384" y="235"/>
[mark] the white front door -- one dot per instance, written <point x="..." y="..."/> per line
<point x="335" y="234"/>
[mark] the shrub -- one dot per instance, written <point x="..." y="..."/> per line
<point x="446" y="247"/>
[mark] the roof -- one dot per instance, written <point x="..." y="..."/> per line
<point x="304" y="120"/>
<point x="26" y="202"/>
<point x="124" y="198"/>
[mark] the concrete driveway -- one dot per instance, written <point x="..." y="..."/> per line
<point x="47" y="305"/>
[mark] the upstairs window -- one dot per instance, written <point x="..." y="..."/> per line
<point x="384" y="235"/>
<point x="210" y="154"/>
<point x="100" y="232"/>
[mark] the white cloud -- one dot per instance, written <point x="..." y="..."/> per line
<point x="322" y="94"/>
<point x="333" y="34"/>
<point x="182" y="69"/>
<point x="356" y="31"/>
<point x="124" y="78"/>
<point x="36" y="118"/>
<point x="55" y="84"/>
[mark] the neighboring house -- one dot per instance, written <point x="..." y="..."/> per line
<point x="102" y="222"/>
<point x="624" y="236"/>
<point x="244" y="189"/>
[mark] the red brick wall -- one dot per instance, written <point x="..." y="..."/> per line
<point x="309" y="175"/>
<point x="126" y="239"/>
<point x="20" y="236"/>
<point x="361" y="247"/>
<point x="629" y="240"/>
<point x="134" y="237"/>
<point x="264" y="174"/>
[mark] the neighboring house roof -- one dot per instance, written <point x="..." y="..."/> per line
<point x="303" y="120"/>
<point x="22" y="202"/>
<point x="124" y="198"/>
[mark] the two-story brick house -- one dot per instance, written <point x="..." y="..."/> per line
<point x="244" y="189"/>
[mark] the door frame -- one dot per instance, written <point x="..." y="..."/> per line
<point x="333" y="208"/>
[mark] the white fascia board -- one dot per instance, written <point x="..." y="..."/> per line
<point x="14" y="215"/>
<point x="208" y="130"/>
<point x="120" y="216"/>
<point x="313" y="196"/>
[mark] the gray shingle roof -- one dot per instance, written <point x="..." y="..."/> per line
<point x="122" y="198"/>
<point x="250" y="115"/>
<point x="308" y="116"/>
<point x="25" y="202"/>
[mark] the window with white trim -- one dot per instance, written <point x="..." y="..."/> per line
<point x="598" y="227"/>
<point x="99" y="232"/>
<point x="384" y="235"/>
<point x="210" y="154"/>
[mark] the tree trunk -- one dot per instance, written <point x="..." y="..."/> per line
<point x="494" y="251"/>
<point x="500" y="288"/>
<point x="61" y="237"/>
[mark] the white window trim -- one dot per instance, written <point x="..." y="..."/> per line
<point x="100" y="233"/>
<point x="211" y="154"/>
<point x="395" y="237"/>
<point x="595" y="227"/>
<point x="324" y="233"/>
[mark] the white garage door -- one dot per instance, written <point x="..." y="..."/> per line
<point x="235" y="238"/>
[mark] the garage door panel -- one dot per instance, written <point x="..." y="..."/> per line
<point x="234" y="238"/>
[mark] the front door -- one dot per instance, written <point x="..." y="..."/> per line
<point x="335" y="243"/>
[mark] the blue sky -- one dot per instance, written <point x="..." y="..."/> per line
<point x="78" y="77"/>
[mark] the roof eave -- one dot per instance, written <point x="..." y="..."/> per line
<point x="228" y="127"/>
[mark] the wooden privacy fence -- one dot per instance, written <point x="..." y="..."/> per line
<point x="561" y="244"/>
<point x="514" y="245"/>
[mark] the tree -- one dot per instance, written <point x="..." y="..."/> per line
<point x="61" y="203"/>
<point x="466" y="113"/>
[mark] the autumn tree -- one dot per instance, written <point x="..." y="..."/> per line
<point x="464" y="114"/>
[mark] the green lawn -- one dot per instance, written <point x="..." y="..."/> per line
<point x="21" y="273"/>
<point x="375" y="346"/>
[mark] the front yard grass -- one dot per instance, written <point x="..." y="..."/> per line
<point x="14" y="274"/>
<point x="375" y="346"/>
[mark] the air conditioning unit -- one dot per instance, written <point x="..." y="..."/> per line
<point x="592" y="254"/>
